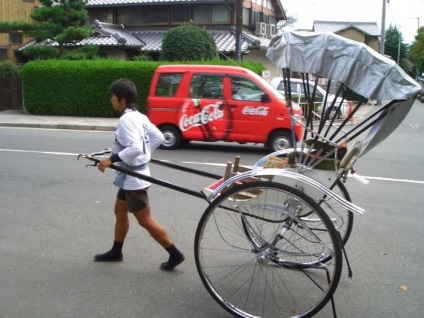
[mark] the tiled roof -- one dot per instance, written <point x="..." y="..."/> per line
<point x="106" y="34"/>
<point x="92" y="3"/>
<point x="225" y="40"/>
<point x="368" y="28"/>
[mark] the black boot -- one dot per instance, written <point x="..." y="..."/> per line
<point x="114" y="255"/>
<point x="175" y="259"/>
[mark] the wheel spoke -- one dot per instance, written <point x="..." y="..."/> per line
<point x="259" y="256"/>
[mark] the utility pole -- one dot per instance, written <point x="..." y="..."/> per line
<point x="383" y="27"/>
<point x="418" y="20"/>
<point x="239" y="27"/>
<point x="383" y="33"/>
<point x="398" y="55"/>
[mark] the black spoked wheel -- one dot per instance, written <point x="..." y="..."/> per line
<point x="257" y="257"/>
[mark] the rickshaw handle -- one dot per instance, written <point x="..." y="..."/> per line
<point x="140" y="176"/>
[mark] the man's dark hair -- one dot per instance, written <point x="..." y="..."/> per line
<point x="124" y="88"/>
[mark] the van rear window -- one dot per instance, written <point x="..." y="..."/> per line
<point x="168" y="84"/>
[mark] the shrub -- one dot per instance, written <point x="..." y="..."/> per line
<point x="80" y="88"/>
<point x="188" y="43"/>
<point x="9" y="69"/>
<point x="141" y="57"/>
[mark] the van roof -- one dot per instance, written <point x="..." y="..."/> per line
<point x="201" y="68"/>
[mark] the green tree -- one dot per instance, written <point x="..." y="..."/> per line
<point x="395" y="48"/>
<point x="285" y="23"/>
<point x="416" y="52"/>
<point x="58" y="20"/>
<point x="188" y="43"/>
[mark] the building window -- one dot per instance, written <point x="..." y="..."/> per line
<point x="137" y="16"/>
<point x="211" y="14"/>
<point x="3" y="54"/>
<point x="106" y="15"/>
<point x="121" y="17"/>
<point x="159" y="15"/>
<point x="143" y="16"/>
<point x="180" y="15"/>
<point x="15" y="38"/>
<point x="246" y="17"/>
<point x="256" y="17"/>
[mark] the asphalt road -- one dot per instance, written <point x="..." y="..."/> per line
<point x="56" y="214"/>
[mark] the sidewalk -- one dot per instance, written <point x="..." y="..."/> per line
<point x="19" y="118"/>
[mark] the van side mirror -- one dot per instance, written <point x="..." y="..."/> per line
<point x="265" y="98"/>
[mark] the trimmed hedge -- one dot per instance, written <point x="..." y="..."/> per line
<point x="81" y="88"/>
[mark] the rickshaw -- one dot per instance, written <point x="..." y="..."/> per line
<point x="270" y="242"/>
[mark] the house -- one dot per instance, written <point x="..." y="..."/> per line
<point x="148" y="20"/>
<point x="363" y="32"/>
<point x="14" y="10"/>
<point x="125" y="28"/>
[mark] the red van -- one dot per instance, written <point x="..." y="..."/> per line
<point x="219" y="103"/>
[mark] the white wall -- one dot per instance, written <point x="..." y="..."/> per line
<point x="259" y="56"/>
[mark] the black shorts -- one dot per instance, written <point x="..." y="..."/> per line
<point x="136" y="200"/>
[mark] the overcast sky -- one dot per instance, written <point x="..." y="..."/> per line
<point x="402" y="13"/>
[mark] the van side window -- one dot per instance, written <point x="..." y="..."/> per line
<point x="168" y="84"/>
<point x="244" y="89"/>
<point x="207" y="86"/>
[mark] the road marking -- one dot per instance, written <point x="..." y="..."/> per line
<point x="202" y="163"/>
<point x="393" y="180"/>
<point x="41" y="152"/>
<point x="205" y="163"/>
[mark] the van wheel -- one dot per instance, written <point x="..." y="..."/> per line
<point x="280" y="140"/>
<point x="172" y="137"/>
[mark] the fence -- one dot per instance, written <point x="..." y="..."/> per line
<point x="317" y="109"/>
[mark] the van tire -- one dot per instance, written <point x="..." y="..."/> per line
<point x="280" y="140"/>
<point x="172" y="137"/>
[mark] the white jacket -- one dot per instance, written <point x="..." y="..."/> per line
<point x="135" y="140"/>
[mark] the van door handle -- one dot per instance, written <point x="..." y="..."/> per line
<point x="233" y="106"/>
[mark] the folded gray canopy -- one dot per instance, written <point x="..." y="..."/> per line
<point x="354" y="64"/>
<point x="358" y="67"/>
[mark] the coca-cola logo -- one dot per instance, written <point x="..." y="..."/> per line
<point x="258" y="111"/>
<point x="207" y="114"/>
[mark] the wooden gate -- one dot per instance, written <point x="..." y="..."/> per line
<point x="11" y="94"/>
